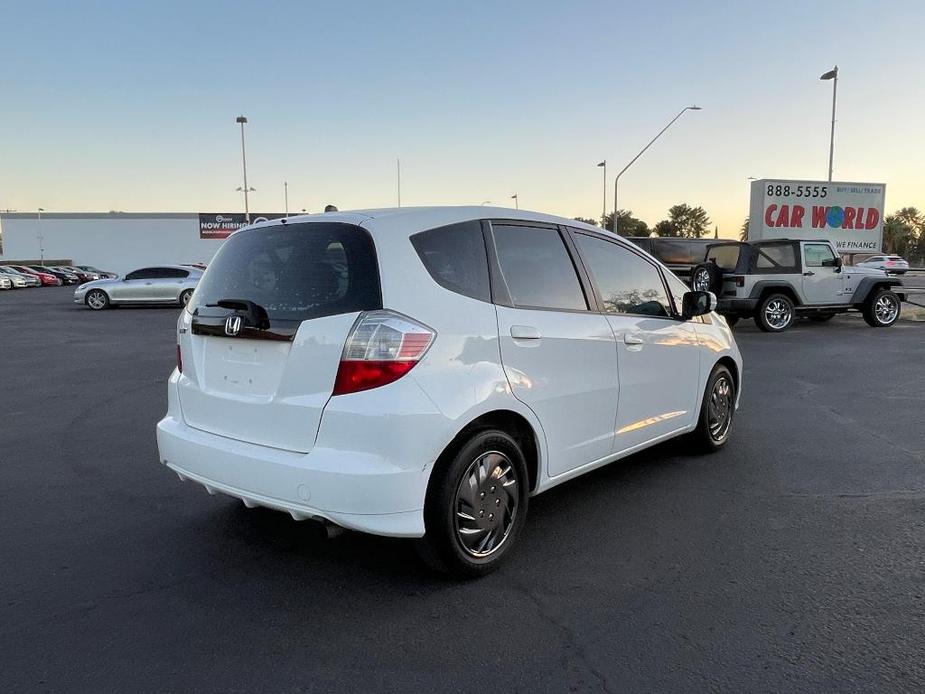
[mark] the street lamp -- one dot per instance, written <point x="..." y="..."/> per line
<point x="245" y="189"/>
<point x="604" y="210"/>
<point x="516" y="201"/>
<point x="832" y="75"/>
<point x="286" y="196"/>
<point x="616" y="181"/>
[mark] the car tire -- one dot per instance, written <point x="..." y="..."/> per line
<point x="476" y="506"/>
<point x="707" y="277"/>
<point x="97" y="300"/>
<point x="185" y="296"/>
<point x="716" y="411"/>
<point x="775" y="313"/>
<point x="882" y="309"/>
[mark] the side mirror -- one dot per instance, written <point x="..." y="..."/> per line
<point x="834" y="262"/>
<point x="697" y="304"/>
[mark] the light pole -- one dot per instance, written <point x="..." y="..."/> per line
<point x="398" y="178"/>
<point x="286" y="196"/>
<point x="616" y="181"/>
<point x="604" y="210"/>
<point x="247" y="211"/>
<point x="41" y="239"/>
<point x="516" y="201"/>
<point x="832" y="75"/>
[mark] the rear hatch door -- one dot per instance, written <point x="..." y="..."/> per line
<point x="266" y="328"/>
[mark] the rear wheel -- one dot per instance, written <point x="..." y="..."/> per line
<point x="476" y="506"/>
<point x="716" y="411"/>
<point x="97" y="299"/>
<point x="775" y="314"/>
<point x="882" y="309"/>
<point x="185" y="296"/>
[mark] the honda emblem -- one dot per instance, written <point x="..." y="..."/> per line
<point x="233" y="325"/>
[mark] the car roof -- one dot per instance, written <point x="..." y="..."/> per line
<point x="414" y="219"/>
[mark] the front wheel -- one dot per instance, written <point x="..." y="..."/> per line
<point x="775" y="314"/>
<point x="716" y="411"/>
<point x="882" y="309"/>
<point x="476" y="506"/>
<point x="97" y="299"/>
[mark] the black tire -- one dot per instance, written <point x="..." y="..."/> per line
<point x="775" y="313"/>
<point x="822" y="317"/>
<point x="185" y="296"/>
<point x="707" y="277"/>
<point x="711" y="434"/>
<point x="882" y="308"/>
<point x="97" y="300"/>
<point x="447" y="532"/>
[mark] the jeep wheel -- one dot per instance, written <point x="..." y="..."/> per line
<point x="707" y="277"/>
<point x="775" y="314"/>
<point x="882" y="309"/>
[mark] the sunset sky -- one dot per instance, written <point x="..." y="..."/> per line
<point x="131" y="106"/>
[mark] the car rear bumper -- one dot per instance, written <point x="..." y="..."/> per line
<point x="354" y="489"/>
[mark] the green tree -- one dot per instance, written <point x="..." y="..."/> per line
<point x="628" y="225"/>
<point x="903" y="231"/>
<point x="743" y="231"/>
<point x="684" y="221"/>
<point x="586" y="220"/>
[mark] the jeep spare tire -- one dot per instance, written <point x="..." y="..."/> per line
<point x="707" y="277"/>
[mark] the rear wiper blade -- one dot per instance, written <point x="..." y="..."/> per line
<point x="255" y="315"/>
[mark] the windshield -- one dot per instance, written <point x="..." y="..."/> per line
<point x="293" y="271"/>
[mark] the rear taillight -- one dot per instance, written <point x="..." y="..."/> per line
<point x="382" y="347"/>
<point x="179" y="360"/>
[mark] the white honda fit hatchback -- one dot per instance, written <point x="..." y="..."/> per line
<point x="422" y="372"/>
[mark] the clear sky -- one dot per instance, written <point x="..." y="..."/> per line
<point x="131" y="106"/>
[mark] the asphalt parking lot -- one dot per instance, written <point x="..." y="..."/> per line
<point x="794" y="560"/>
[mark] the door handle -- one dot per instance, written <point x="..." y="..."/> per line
<point x="809" y="274"/>
<point x="633" y="340"/>
<point x="524" y="332"/>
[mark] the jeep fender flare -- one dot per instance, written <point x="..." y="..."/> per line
<point x="782" y="286"/>
<point x="868" y="284"/>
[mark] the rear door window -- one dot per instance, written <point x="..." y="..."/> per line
<point x="455" y="257"/>
<point x="294" y="271"/>
<point x="537" y="267"/>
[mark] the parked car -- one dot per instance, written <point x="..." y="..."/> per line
<point x="774" y="281"/>
<point x="5" y="282"/>
<point x="64" y="276"/>
<point x="680" y="255"/>
<point x="47" y="279"/>
<point x="422" y="372"/>
<point x="164" y="284"/>
<point x="82" y="275"/>
<point x="20" y="279"/>
<point x="103" y="274"/>
<point x="892" y="264"/>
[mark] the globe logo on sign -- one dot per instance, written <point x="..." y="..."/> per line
<point x="835" y="217"/>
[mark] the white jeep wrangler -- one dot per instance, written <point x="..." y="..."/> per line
<point x="776" y="280"/>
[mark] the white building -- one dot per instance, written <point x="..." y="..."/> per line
<point x="117" y="241"/>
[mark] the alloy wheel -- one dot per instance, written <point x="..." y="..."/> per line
<point x="778" y="314"/>
<point x="486" y="504"/>
<point x="96" y="300"/>
<point x="886" y="309"/>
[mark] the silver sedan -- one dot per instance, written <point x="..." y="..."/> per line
<point x="890" y="263"/>
<point x="164" y="284"/>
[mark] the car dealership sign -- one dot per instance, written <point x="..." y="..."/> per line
<point x="219" y="225"/>
<point x="850" y="215"/>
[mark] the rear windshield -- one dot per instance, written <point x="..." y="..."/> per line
<point x="725" y="257"/>
<point x="294" y="271"/>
